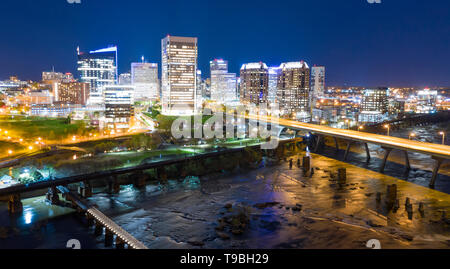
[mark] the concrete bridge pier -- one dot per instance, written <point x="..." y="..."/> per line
<point x="319" y="140"/>
<point x="367" y="152"/>
<point x="109" y="237"/>
<point x="407" y="164"/>
<point x="120" y="244"/>
<point x="90" y="220"/>
<point x="386" y="155"/>
<point x="98" y="228"/>
<point x="85" y="189"/>
<point x="52" y="195"/>
<point x="139" y="180"/>
<point x="15" y="204"/>
<point x="336" y="144"/>
<point x="347" y="151"/>
<point x="113" y="185"/>
<point x="437" y="164"/>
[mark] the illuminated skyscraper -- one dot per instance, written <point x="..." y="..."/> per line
<point x="118" y="106"/>
<point x="254" y="83"/>
<point x="144" y="76"/>
<point x="125" y="79"/>
<point x="223" y="84"/>
<point x="178" y="79"/>
<point x="273" y="84"/>
<point x="98" y="68"/>
<point x="317" y="81"/>
<point x="374" y="105"/>
<point x="293" y="90"/>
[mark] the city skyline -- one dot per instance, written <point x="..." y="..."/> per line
<point x="354" y="56"/>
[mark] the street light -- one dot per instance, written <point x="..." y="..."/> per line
<point x="411" y="135"/>
<point x="361" y="127"/>
<point x="388" y="128"/>
<point x="443" y="137"/>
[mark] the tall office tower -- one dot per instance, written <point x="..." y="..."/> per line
<point x="223" y="84"/>
<point x="199" y="87"/>
<point x="72" y="93"/>
<point x="144" y="76"/>
<point x="118" y="106"/>
<point x="98" y="68"/>
<point x="125" y="79"/>
<point x="293" y="90"/>
<point x="254" y="85"/>
<point x="178" y="79"/>
<point x="317" y="81"/>
<point x="273" y="84"/>
<point x="374" y="105"/>
<point x="52" y="76"/>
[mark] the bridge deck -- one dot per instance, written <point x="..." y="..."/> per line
<point x="436" y="150"/>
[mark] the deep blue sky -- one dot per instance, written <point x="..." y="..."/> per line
<point x="395" y="43"/>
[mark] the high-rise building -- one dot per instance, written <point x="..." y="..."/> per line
<point x="98" y="68"/>
<point x="254" y="83"/>
<point x="144" y="76"/>
<point x="293" y="90"/>
<point x="125" y="79"/>
<point x="223" y="84"/>
<point x="317" y="82"/>
<point x="118" y="106"/>
<point x="72" y="93"/>
<point x="178" y="79"/>
<point x="426" y="101"/>
<point x="374" y="105"/>
<point x="274" y="72"/>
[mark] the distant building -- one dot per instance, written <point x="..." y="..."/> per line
<point x="293" y="93"/>
<point x="374" y="105"/>
<point x="40" y="97"/>
<point x="144" y="77"/>
<point x="426" y="101"/>
<point x="317" y="81"/>
<point x="72" y="93"/>
<point x="254" y="83"/>
<point x="118" y="106"/>
<point x="98" y="68"/>
<point x="273" y="84"/>
<point x="125" y="79"/>
<point x="178" y="79"/>
<point x="223" y="84"/>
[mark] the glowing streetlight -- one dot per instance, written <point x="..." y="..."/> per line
<point x="443" y="137"/>
<point x="30" y="148"/>
<point x="411" y="135"/>
<point x="388" y="128"/>
<point x="10" y="152"/>
<point x="361" y="127"/>
<point x="323" y="122"/>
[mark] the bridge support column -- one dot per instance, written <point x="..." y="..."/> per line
<point x="120" y="244"/>
<point x="85" y="189"/>
<point x="336" y="144"/>
<point x="349" y="144"/>
<point x="14" y="204"/>
<point x="113" y="185"/>
<point x="139" y="180"/>
<point x="367" y="152"/>
<point x="319" y="140"/>
<point x="437" y="165"/>
<point x="408" y="166"/>
<point x="386" y="155"/>
<point x="109" y="237"/>
<point x="98" y="229"/>
<point x="90" y="220"/>
<point x="52" y="195"/>
<point x="306" y="164"/>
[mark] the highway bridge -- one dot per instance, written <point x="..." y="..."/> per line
<point x="439" y="153"/>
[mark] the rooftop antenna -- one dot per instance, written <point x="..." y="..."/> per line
<point x="78" y="50"/>
<point x="142" y="58"/>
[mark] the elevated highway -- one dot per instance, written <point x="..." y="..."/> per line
<point x="439" y="153"/>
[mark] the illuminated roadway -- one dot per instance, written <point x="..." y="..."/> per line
<point x="436" y="150"/>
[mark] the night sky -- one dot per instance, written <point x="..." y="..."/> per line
<point x="395" y="43"/>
